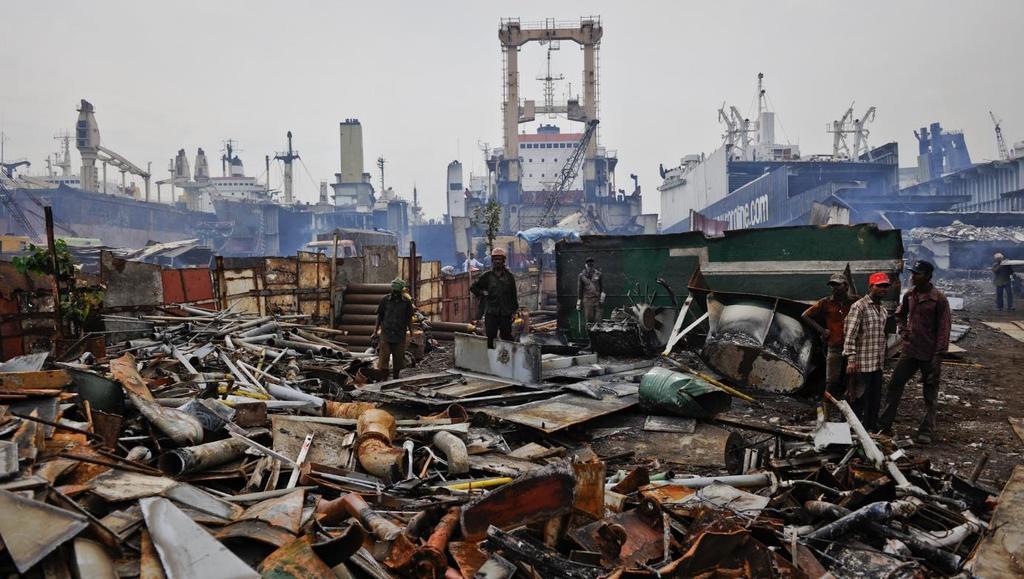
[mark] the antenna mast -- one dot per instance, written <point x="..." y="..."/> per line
<point x="287" y="157"/>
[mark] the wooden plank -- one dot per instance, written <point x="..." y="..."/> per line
<point x="1018" y="426"/>
<point x="1002" y="550"/>
<point x="472" y="387"/>
<point x="554" y="414"/>
<point x="41" y="380"/>
<point x="1008" y="328"/>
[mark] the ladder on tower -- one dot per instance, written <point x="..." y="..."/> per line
<point x="570" y="170"/>
<point x="11" y="205"/>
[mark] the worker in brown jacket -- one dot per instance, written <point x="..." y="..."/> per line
<point x="924" y="321"/>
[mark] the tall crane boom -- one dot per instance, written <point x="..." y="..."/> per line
<point x="1004" y="152"/>
<point x="12" y="207"/>
<point x="570" y="170"/>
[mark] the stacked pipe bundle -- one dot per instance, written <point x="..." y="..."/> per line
<point x="359" y="311"/>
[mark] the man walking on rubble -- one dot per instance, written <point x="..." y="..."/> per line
<point x="497" y="288"/>
<point x="827" y="316"/>
<point x="924" y="320"/>
<point x="1003" y="279"/>
<point x="864" y="348"/>
<point x="590" y="292"/>
<point x="394" y="319"/>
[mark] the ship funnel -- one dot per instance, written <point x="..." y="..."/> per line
<point x="182" y="173"/>
<point x="202" y="167"/>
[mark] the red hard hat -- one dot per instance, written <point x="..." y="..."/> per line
<point x="879" y="278"/>
<point x="498" y="252"/>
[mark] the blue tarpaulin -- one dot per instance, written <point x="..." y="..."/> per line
<point x="535" y="234"/>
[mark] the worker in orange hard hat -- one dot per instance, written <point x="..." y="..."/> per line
<point x="497" y="288"/>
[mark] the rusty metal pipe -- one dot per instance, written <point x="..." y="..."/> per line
<point x="301" y="346"/>
<point x="353" y="505"/>
<point x="260" y="339"/>
<point x="245" y="325"/>
<point x="267" y="328"/>
<point x="376" y="429"/>
<point x="286" y="393"/>
<point x="201" y="457"/>
<point x="347" y="409"/>
<point x="363" y="299"/>
<point x="368" y="288"/>
<point x="430" y="559"/>
<point x="365" y="330"/>
<point x="454" y="451"/>
<point x="361" y="309"/>
<point x="450" y="327"/>
<point x="360" y="319"/>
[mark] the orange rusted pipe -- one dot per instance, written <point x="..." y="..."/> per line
<point x="347" y="409"/>
<point x="353" y="505"/>
<point x="376" y="429"/>
<point x="430" y="559"/>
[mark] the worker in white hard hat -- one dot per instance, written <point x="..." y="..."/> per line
<point x="497" y="289"/>
<point x="1003" y="279"/>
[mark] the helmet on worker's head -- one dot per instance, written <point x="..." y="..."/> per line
<point x="498" y="252"/>
<point x="398" y="284"/>
<point x="998" y="257"/>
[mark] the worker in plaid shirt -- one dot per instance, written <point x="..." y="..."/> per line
<point x="864" y="348"/>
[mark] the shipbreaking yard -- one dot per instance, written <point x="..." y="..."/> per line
<point x="548" y="380"/>
<point x="232" y="422"/>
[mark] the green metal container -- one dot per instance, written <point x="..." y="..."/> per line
<point x="668" y="392"/>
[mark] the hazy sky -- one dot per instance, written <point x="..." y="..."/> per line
<point x="425" y="77"/>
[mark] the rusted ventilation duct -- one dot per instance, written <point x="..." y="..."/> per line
<point x="201" y="457"/>
<point x="353" y="505"/>
<point x="454" y="451"/>
<point x="376" y="429"/>
<point x="759" y="341"/>
<point x="178" y="425"/>
<point x="347" y="409"/>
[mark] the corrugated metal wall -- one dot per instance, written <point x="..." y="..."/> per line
<point x="26" y="312"/>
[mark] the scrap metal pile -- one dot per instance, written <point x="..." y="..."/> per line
<point x="230" y="446"/>
<point x="963" y="231"/>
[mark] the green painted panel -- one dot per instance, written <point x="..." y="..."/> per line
<point x="626" y="260"/>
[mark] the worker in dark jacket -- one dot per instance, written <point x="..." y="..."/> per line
<point x="394" y="319"/>
<point x="923" y="318"/>
<point x="497" y="288"/>
<point x="1002" y="276"/>
<point x="590" y="292"/>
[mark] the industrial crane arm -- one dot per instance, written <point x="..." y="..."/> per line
<point x="122" y="163"/>
<point x="568" y="174"/>
<point x="11" y="205"/>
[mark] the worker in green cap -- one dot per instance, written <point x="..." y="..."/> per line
<point x="394" y="319"/>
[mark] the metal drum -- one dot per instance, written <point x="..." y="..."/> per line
<point x="759" y="342"/>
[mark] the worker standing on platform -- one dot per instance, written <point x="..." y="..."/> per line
<point x="864" y="348"/>
<point x="394" y="320"/>
<point x="1003" y="279"/>
<point x="924" y="320"/>
<point x="497" y="288"/>
<point x="828" y="316"/>
<point x="590" y="292"/>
